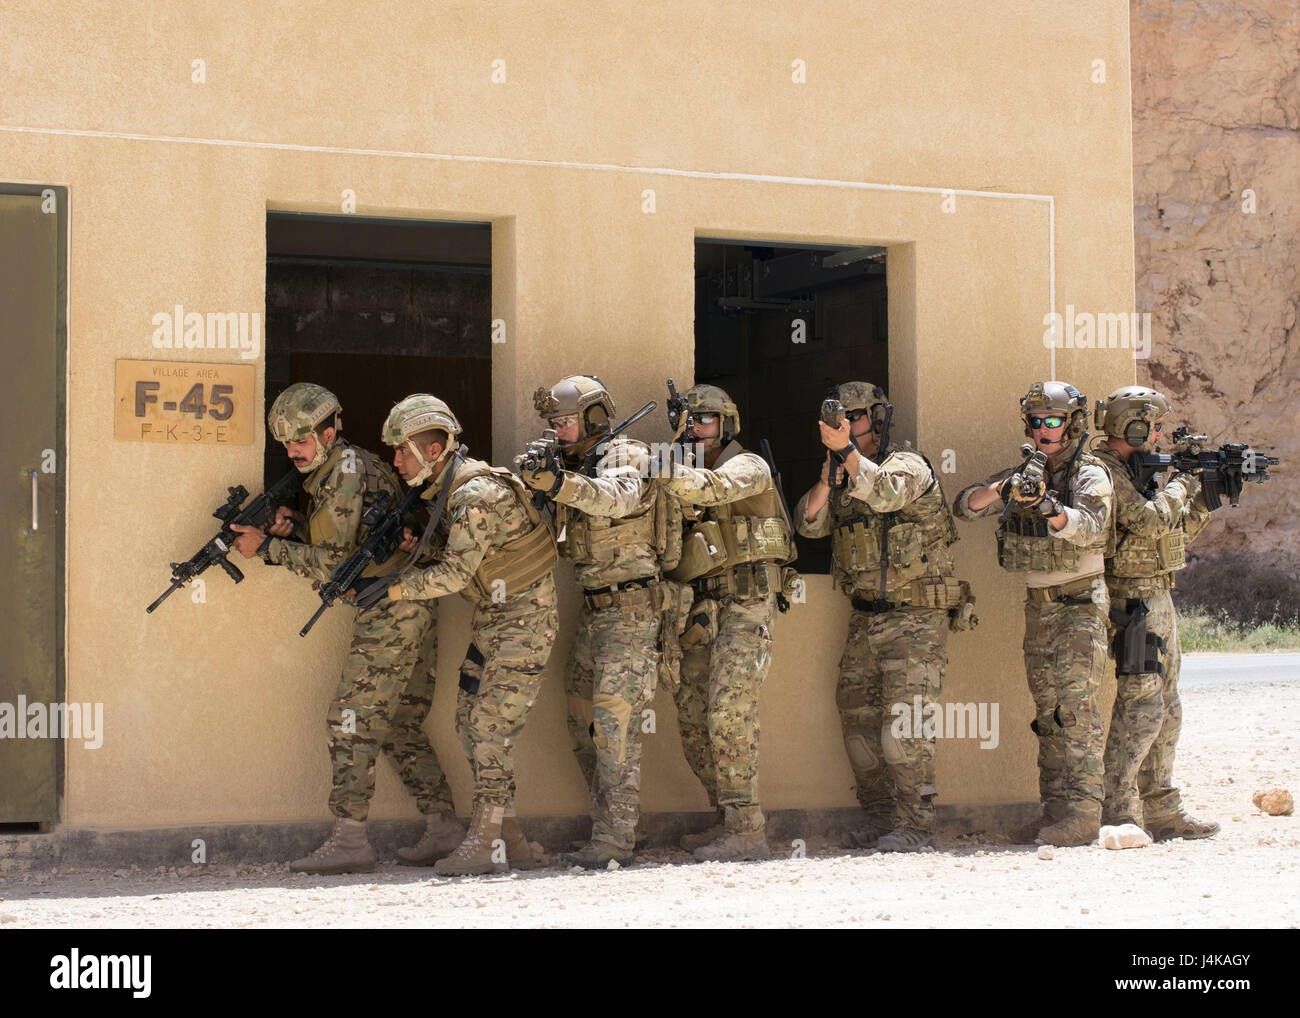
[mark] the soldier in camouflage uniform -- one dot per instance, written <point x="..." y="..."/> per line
<point x="499" y="554"/>
<point x="736" y="540"/>
<point x="387" y="682"/>
<point x="615" y="526"/>
<point x="1056" y="530"/>
<point x="1152" y="526"/>
<point x="891" y="529"/>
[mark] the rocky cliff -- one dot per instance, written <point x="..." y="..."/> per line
<point x="1216" y="188"/>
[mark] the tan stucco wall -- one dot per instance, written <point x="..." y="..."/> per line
<point x="215" y="711"/>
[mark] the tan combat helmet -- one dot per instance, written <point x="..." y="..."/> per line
<point x="710" y="399"/>
<point x="864" y="396"/>
<point x="1130" y="413"/>
<point x="581" y="396"/>
<point x="1056" y="399"/>
<point x="413" y="416"/>
<point x="298" y="411"/>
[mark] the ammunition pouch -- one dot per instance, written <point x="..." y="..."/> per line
<point x="1137" y="557"/>
<point x="1025" y="545"/>
<point x="743" y="582"/>
<point x="1136" y="651"/>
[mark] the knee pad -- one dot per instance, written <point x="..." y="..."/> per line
<point x="862" y="758"/>
<point x="615" y="709"/>
<point x="891" y="746"/>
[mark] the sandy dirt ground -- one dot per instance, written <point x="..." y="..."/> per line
<point x="1240" y="734"/>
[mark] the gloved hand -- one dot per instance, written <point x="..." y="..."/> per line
<point x="1004" y="489"/>
<point x="1049" y="505"/>
<point x="369" y="592"/>
<point x="1031" y="497"/>
<point x="540" y="466"/>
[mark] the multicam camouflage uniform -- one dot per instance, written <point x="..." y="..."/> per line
<point x="607" y="523"/>
<point x="896" y="647"/>
<point x="729" y="557"/>
<point x="387" y="680"/>
<point x="494" y="537"/>
<point x="1066" y="610"/>
<point x="1147" y="717"/>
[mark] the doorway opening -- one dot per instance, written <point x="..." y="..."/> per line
<point x="777" y="325"/>
<point x="375" y="309"/>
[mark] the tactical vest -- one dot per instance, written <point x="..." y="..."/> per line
<point x="518" y="563"/>
<point x="596" y="540"/>
<point x="753" y="529"/>
<point x="1135" y="556"/>
<point x="1025" y="541"/>
<point x="915" y="540"/>
<point x="379" y="480"/>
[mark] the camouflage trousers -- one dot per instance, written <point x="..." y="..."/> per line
<point x="499" y="682"/>
<point x="890" y="659"/>
<point x="610" y="681"/>
<point x="717" y="706"/>
<point x="381" y="702"/>
<point x="1144" y="729"/>
<point x="1065" y="657"/>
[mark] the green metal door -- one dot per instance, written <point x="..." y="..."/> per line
<point x="32" y="339"/>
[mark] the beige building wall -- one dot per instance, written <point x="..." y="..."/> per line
<point x="215" y="711"/>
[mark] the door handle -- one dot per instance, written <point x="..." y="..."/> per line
<point x="35" y="503"/>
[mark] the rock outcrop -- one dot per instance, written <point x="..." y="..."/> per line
<point x="1216" y="181"/>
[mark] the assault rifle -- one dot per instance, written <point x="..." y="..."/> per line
<point x="833" y="417"/>
<point x="531" y="461"/>
<point x="1033" y="477"/>
<point x="385" y="522"/>
<point x="1223" y="471"/>
<point x="258" y="513"/>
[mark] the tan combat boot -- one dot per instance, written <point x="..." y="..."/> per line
<point x="876" y="826"/>
<point x="1052" y="812"/>
<point x="735" y="848"/>
<point x="708" y="836"/>
<point x="1181" y="825"/>
<point x="519" y="854"/>
<point x="597" y="855"/>
<point x="1079" y="827"/>
<point x="346" y="850"/>
<point x="474" y="854"/>
<point x="442" y="833"/>
<point x="905" y="839"/>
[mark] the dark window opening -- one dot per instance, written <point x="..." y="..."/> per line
<point x="777" y="326"/>
<point x="374" y="310"/>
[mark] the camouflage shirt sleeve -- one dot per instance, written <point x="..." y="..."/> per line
<point x="1087" y="520"/>
<point x="1158" y="516"/>
<point x="819" y="525"/>
<point x="961" y="504"/>
<point x="1197" y="514"/>
<point x="899" y="481"/>
<point x="339" y="503"/>
<point x="619" y="488"/>
<point x="740" y="477"/>
<point x="474" y="513"/>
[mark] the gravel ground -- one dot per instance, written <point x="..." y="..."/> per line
<point x="1240" y="735"/>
